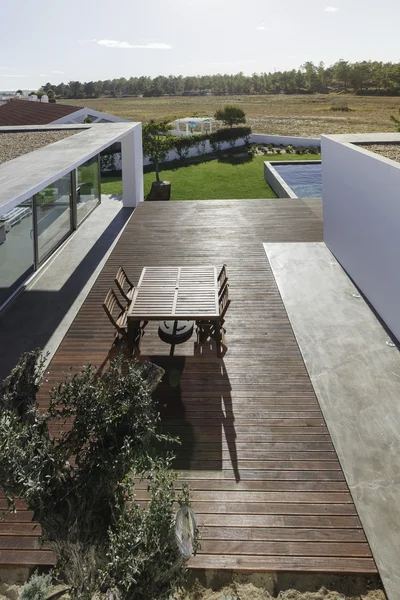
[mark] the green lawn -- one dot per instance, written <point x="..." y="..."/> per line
<point x="234" y="177"/>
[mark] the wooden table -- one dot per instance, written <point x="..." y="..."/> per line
<point x="172" y="293"/>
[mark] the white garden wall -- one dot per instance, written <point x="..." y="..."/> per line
<point x="285" y="140"/>
<point x="255" y="138"/>
<point x="361" y="206"/>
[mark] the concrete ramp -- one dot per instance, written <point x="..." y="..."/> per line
<point x="355" y="371"/>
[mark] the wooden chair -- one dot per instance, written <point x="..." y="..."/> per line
<point x="224" y="301"/>
<point x="222" y="279"/>
<point x="110" y="305"/>
<point x="215" y="329"/>
<point x="132" y="335"/>
<point x="124" y="285"/>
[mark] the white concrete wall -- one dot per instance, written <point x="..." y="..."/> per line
<point x="361" y="206"/>
<point x="132" y="167"/>
<point x="173" y="155"/>
<point x="285" y="140"/>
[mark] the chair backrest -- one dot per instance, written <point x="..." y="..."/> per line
<point x="222" y="280"/>
<point x="224" y="301"/>
<point x="122" y="281"/>
<point x="110" y="303"/>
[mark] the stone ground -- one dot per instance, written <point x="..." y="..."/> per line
<point x="388" y="150"/>
<point x="235" y="591"/>
<point x="16" y="144"/>
<point x="249" y="591"/>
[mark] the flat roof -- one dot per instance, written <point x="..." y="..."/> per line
<point x="24" y="176"/>
<point x="17" y="143"/>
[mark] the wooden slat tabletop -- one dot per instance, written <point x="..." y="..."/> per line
<point x="175" y="293"/>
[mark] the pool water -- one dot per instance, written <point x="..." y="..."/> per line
<point x="305" y="180"/>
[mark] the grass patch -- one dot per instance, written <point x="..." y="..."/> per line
<point x="216" y="179"/>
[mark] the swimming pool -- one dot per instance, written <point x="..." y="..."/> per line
<point x="296" y="179"/>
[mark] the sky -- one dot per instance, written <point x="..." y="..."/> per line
<point x="85" y="40"/>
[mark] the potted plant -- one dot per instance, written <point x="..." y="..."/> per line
<point x="157" y="142"/>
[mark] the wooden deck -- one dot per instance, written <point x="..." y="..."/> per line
<point x="267" y="486"/>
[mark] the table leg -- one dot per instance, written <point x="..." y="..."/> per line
<point x="134" y="334"/>
<point x="218" y="338"/>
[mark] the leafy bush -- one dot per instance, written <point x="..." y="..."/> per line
<point x="37" y="588"/>
<point x="226" y="135"/>
<point x="113" y="434"/>
<point x="340" y="104"/>
<point x="230" y="115"/>
<point x="201" y="146"/>
<point x="396" y="121"/>
<point x="144" y="560"/>
<point x="107" y="161"/>
<point x="183" y="144"/>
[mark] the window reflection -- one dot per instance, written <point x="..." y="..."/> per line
<point x="53" y="208"/>
<point x="16" y="247"/>
<point x="88" y="183"/>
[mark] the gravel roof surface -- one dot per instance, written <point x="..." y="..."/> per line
<point x="16" y="144"/>
<point x="389" y="150"/>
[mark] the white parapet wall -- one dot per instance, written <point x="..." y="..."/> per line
<point x="361" y="207"/>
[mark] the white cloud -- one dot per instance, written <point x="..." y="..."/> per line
<point x="58" y="72"/>
<point x="42" y="75"/>
<point x="262" y="26"/>
<point x="4" y="68"/>
<point x="13" y="76"/>
<point x="331" y="9"/>
<point x="118" y="44"/>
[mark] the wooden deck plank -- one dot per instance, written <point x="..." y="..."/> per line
<point x="266" y="482"/>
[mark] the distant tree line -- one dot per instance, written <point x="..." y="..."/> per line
<point x="366" y="77"/>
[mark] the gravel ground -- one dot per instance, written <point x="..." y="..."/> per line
<point x="250" y="592"/>
<point x="389" y="150"/>
<point x="16" y="144"/>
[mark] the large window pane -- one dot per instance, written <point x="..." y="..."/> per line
<point x="16" y="247"/>
<point x="88" y="195"/>
<point x="53" y="206"/>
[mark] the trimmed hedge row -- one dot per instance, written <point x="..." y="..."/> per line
<point x="216" y="139"/>
<point x="182" y="145"/>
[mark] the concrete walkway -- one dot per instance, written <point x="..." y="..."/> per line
<point x="355" y="371"/>
<point x="42" y="314"/>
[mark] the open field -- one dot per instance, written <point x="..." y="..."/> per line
<point x="212" y="179"/>
<point x="304" y="115"/>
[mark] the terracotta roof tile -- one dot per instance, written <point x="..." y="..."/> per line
<point x="26" y="112"/>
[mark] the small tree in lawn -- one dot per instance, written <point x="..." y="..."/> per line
<point x="396" y="121"/>
<point x="20" y="92"/>
<point x="231" y="115"/>
<point x="157" y="142"/>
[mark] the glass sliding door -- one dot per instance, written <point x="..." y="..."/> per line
<point x="88" y="187"/>
<point x="16" y="247"/>
<point x="54" y="215"/>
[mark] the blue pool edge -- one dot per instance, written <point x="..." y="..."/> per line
<point x="276" y="181"/>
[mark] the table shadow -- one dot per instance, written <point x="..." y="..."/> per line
<point x="195" y="404"/>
